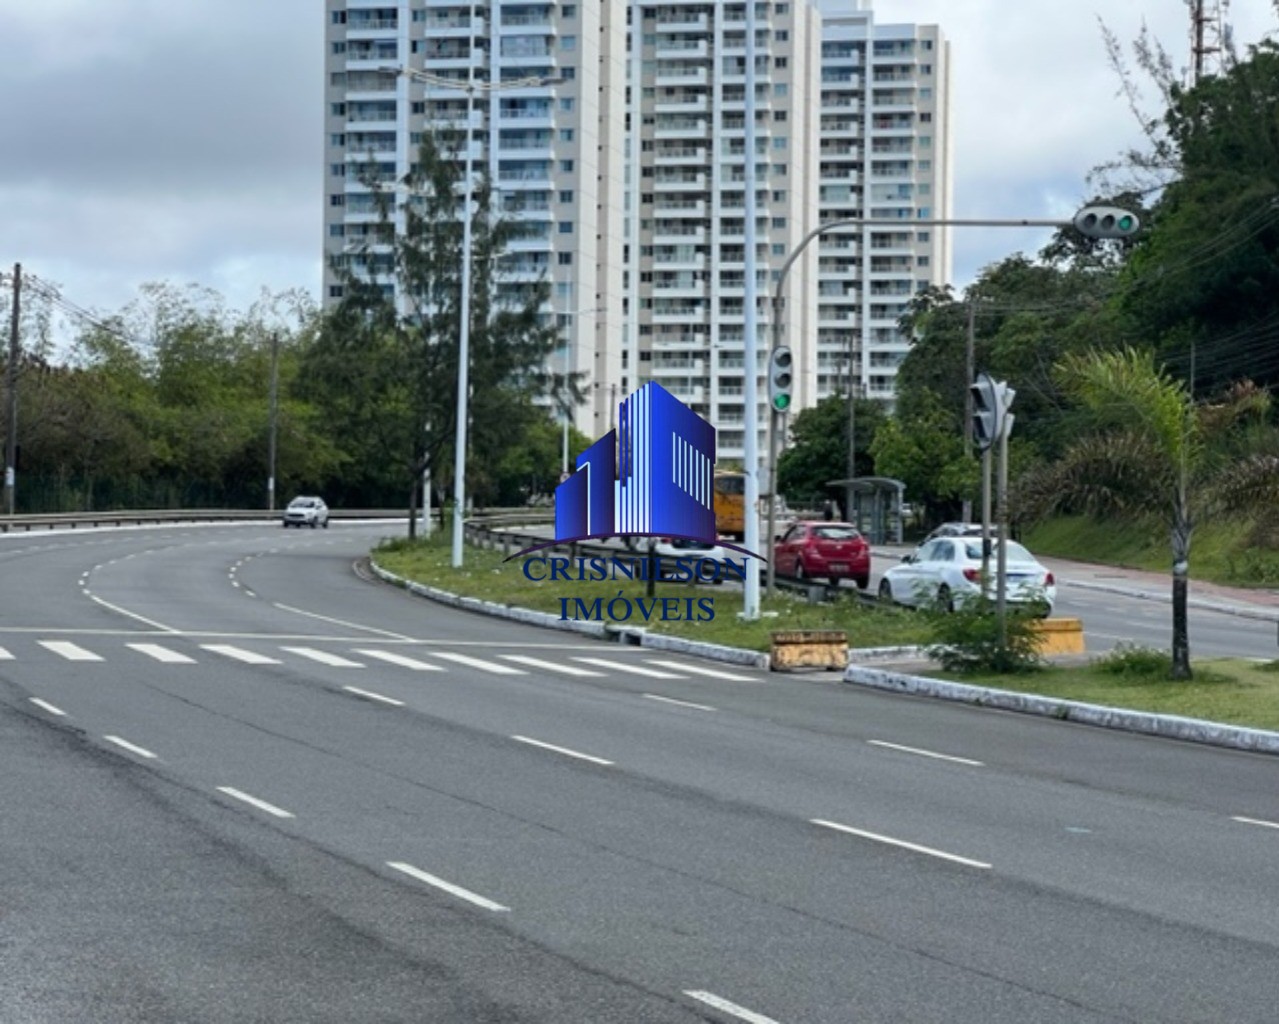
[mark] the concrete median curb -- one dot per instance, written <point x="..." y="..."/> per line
<point x="1193" y="730"/>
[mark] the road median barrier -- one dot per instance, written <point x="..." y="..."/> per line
<point x="1059" y="636"/>
<point x="808" y="648"/>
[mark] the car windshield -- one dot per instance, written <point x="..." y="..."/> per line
<point x="1016" y="553"/>
<point x="835" y="533"/>
<point x="691" y="545"/>
<point x="301" y="503"/>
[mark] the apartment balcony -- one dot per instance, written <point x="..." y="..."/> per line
<point x="364" y="28"/>
<point x="689" y="368"/>
<point x="668" y="48"/>
<point x="681" y="156"/>
<point x="688" y="183"/>
<point x="455" y="27"/>
<point x="527" y="25"/>
<point x="677" y="314"/>
<point x="684" y="343"/>
<point x="540" y="118"/>
<point x="696" y="130"/>
<point x="683" y="105"/>
<point x="678" y="21"/>
<point x="681" y="208"/>
<point x="675" y="76"/>
<point x="688" y="395"/>
<point x="678" y="234"/>
<point x="679" y="290"/>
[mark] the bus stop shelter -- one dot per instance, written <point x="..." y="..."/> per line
<point x="874" y="505"/>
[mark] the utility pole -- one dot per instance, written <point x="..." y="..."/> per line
<point x="11" y="385"/>
<point x="970" y="371"/>
<point x="274" y="414"/>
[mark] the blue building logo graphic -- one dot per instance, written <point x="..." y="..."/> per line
<point x="658" y="480"/>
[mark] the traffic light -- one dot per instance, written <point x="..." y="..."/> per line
<point x="780" y="378"/>
<point x="1106" y="222"/>
<point x="991" y="401"/>
<point x="985" y="412"/>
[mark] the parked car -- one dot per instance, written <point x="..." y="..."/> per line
<point x="306" y="511"/>
<point x="946" y="572"/>
<point x="668" y="549"/>
<point x="815" y="548"/>
<point x="955" y="530"/>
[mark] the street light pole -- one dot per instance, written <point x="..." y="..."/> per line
<point x="469" y="86"/>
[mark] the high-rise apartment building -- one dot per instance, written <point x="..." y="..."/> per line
<point x="627" y="176"/>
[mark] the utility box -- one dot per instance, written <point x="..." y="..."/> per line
<point x="808" y="648"/>
<point x="1059" y="636"/>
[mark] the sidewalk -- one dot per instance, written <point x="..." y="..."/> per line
<point x="1248" y="602"/>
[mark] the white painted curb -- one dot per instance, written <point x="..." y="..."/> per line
<point x="1194" y="730"/>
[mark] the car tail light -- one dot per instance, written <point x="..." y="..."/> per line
<point x="972" y="575"/>
<point x="1048" y="580"/>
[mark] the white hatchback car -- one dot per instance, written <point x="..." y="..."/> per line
<point x="306" y="511"/>
<point x="946" y="572"/>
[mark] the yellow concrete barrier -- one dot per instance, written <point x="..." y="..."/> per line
<point x="1060" y="636"/>
<point x="808" y="648"/>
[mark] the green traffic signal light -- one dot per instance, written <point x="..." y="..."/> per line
<point x="781" y="402"/>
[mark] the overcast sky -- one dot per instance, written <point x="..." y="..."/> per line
<point x="181" y="140"/>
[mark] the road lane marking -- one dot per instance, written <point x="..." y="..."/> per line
<point x="240" y="654"/>
<point x="131" y="747"/>
<point x="46" y="705"/>
<point x="162" y="654"/>
<point x="487" y="666"/>
<point x="68" y="650"/>
<point x="901" y="843"/>
<point x="324" y="657"/>
<point x="374" y="696"/>
<point x="681" y="703"/>
<point x="638" y="670"/>
<point x="132" y="615"/>
<point x="925" y="753"/>
<point x="342" y="622"/>
<point x="568" y="670"/>
<point x="261" y="805"/>
<point x="562" y="750"/>
<point x="723" y="1005"/>
<point x="449" y="887"/>
<point x="714" y="673"/>
<point x="403" y="660"/>
<point x="5" y="655"/>
<point x="1255" y="821"/>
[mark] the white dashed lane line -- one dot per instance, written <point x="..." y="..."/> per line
<point x="901" y="844"/>
<point x="240" y="654"/>
<point x="551" y="666"/>
<point x="926" y="753"/>
<point x="697" y="670"/>
<point x="1255" y="821"/>
<point x="46" y="706"/>
<point x="448" y="887"/>
<point x="323" y="657"/>
<point x="253" y="801"/>
<point x="130" y="747"/>
<point x="370" y="695"/>
<point x="562" y="750"/>
<point x="68" y="650"/>
<point x="732" y="1009"/>
<point x="488" y="666"/>
<point x="680" y="703"/>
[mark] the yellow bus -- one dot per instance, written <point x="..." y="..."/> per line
<point x="730" y="504"/>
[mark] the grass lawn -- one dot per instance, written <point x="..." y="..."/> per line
<point x="484" y="575"/>
<point x="1231" y="690"/>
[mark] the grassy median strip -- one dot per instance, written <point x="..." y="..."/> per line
<point x="1234" y="691"/>
<point x="485" y="575"/>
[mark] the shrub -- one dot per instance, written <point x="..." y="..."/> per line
<point x="1132" y="661"/>
<point x="967" y="639"/>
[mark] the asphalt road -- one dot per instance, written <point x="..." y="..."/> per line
<point x="242" y="783"/>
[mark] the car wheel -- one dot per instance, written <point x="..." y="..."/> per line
<point x="863" y="582"/>
<point x="799" y="573"/>
<point x="285" y="525"/>
<point x="945" y="602"/>
<point x="885" y="592"/>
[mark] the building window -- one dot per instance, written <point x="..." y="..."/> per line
<point x="564" y="259"/>
<point x="568" y="11"/>
<point x="566" y="134"/>
<point x="779" y="115"/>
<point x="418" y="107"/>
<point x="337" y="109"/>
<point x="779" y="142"/>
<point x="925" y="69"/>
<point x="337" y="230"/>
<point x="337" y="140"/>
<point x="568" y="43"/>
<point x="337" y="199"/>
<point x="781" y="35"/>
<point x="566" y="227"/>
<point x="779" y="222"/>
<point x="566" y="195"/>
<point x="337" y="170"/>
<point x="925" y="118"/>
<point x="781" y="62"/>
<point x="566" y="166"/>
<point x="921" y="261"/>
<point x="567" y="103"/>
<point x="339" y="47"/>
<point x="335" y="291"/>
<point x="339" y="17"/>
<point x="568" y="74"/>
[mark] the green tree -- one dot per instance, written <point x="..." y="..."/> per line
<point x="387" y="376"/>
<point x="818" y="452"/>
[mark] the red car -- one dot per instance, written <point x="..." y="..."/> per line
<point x="817" y="548"/>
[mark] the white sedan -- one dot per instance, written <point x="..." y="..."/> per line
<point x="946" y="572"/>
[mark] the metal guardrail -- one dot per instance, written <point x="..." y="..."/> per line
<point x="91" y="520"/>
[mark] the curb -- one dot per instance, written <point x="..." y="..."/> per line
<point x="1193" y="730"/>
<point x="631" y="635"/>
<point x="1203" y="603"/>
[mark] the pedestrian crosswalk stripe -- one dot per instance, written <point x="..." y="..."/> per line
<point x="403" y="660"/>
<point x="697" y="670"/>
<point x="324" y="657"/>
<point x="620" y="666"/>
<point x="68" y="650"/>
<point x="240" y="654"/>
<point x="162" y="654"/>
<point x="487" y="666"/>
<point x="568" y="670"/>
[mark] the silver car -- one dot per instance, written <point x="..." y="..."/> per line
<point x="306" y="511"/>
<point x="946" y="572"/>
